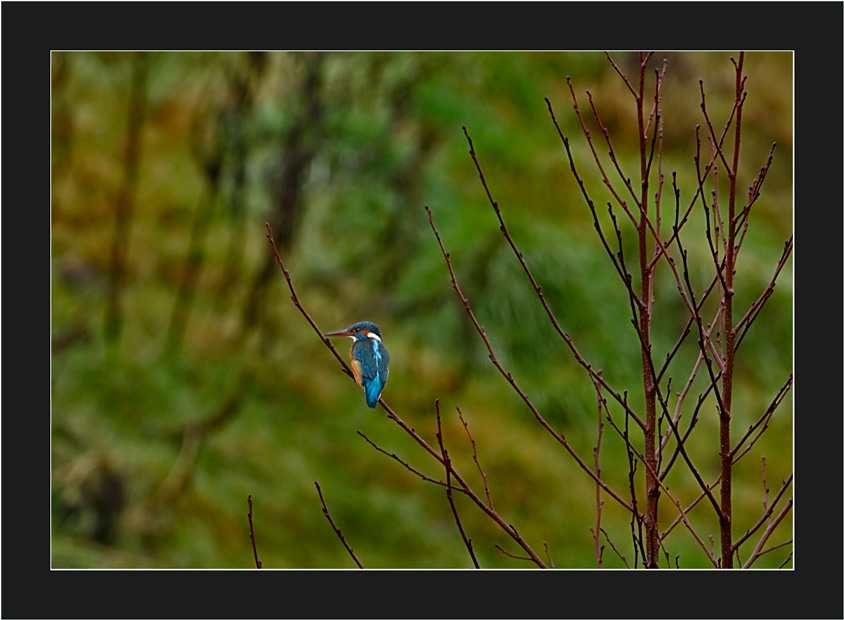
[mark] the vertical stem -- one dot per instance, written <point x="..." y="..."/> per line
<point x="652" y="485"/>
<point x="730" y="343"/>
<point x="598" y="501"/>
<point x="193" y="265"/>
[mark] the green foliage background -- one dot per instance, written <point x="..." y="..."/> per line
<point x="198" y="383"/>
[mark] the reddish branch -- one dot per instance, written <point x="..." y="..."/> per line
<point x="645" y="230"/>
<point x="725" y="413"/>
<point x="651" y="468"/>
<point x="718" y="356"/>
<point x="730" y="227"/>
<point x="650" y="456"/>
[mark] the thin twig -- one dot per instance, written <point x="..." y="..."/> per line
<point x="335" y="528"/>
<point x="683" y="515"/>
<point x="598" y="501"/>
<point x="407" y="466"/>
<point x="765" y="516"/>
<point x="768" y="531"/>
<point x="763" y="420"/>
<point x="558" y="436"/>
<point x="475" y="457"/>
<point x="548" y="554"/>
<point x="467" y="490"/>
<point x="678" y="519"/>
<point x="447" y="463"/>
<point x="635" y="518"/>
<point x="512" y="555"/>
<point x="621" y="74"/>
<point x="755" y="188"/>
<point x="717" y="144"/>
<point x="754" y="309"/>
<point x="503" y="227"/>
<point x="252" y="532"/>
<point x="779" y="546"/>
<point x="765" y="489"/>
<point x="680" y="441"/>
<point x="617" y="552"/>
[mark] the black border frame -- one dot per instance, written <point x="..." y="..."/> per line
<point x="32" y="29"/>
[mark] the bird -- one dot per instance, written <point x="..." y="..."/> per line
<point x="369" y="359"/>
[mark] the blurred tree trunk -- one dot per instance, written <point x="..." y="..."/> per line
<point x="61" y="127"/>
<point x="243" y="82"/>
<point x="401" y="233"/>
<point x="125" y="201"/>
<point x="299" y="149"/>
<point x="210" y="160"/>
<point x="225" y="156"/>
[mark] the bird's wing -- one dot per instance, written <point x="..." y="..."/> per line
<point x="383" y="371"/>
<point x="373" y="359"/>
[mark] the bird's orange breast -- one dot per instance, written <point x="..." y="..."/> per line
<point x="356" y="370"/>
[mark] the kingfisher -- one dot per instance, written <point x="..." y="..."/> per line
<point x="369" y="359"/>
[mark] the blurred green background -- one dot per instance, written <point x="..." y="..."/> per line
<point x="184" y="379"/>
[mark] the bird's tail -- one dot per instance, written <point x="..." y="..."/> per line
<point x="373" y="392"/>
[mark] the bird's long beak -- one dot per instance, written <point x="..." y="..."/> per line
<point x="342" y="332"/>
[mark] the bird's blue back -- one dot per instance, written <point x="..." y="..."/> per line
<point x="373" y="359"/>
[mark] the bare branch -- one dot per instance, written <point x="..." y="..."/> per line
<point x="252" y="532"/>
<point x="407" y="466"/>
<point x="620" y="73"/>
<point x="447" y="463"/>
<point x="548" y="555"/>
<point x="475" y="457"/>
<point x="770" y="510"/>
<point x="768" y="531"/>
<point x="507" y="553"/>
<point x="612" y="546"/>
<point x="717" y="144"/>
<point x="757" y="305"/>
<point x="763" y="420"/>
<point x="597" y="159"/>
<point x="335" y="528"/>
<point x="756" y="186"/>
<point x="565" y="336"/>
<point x="558" y="436"/>
<point x="598" y="501"/>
